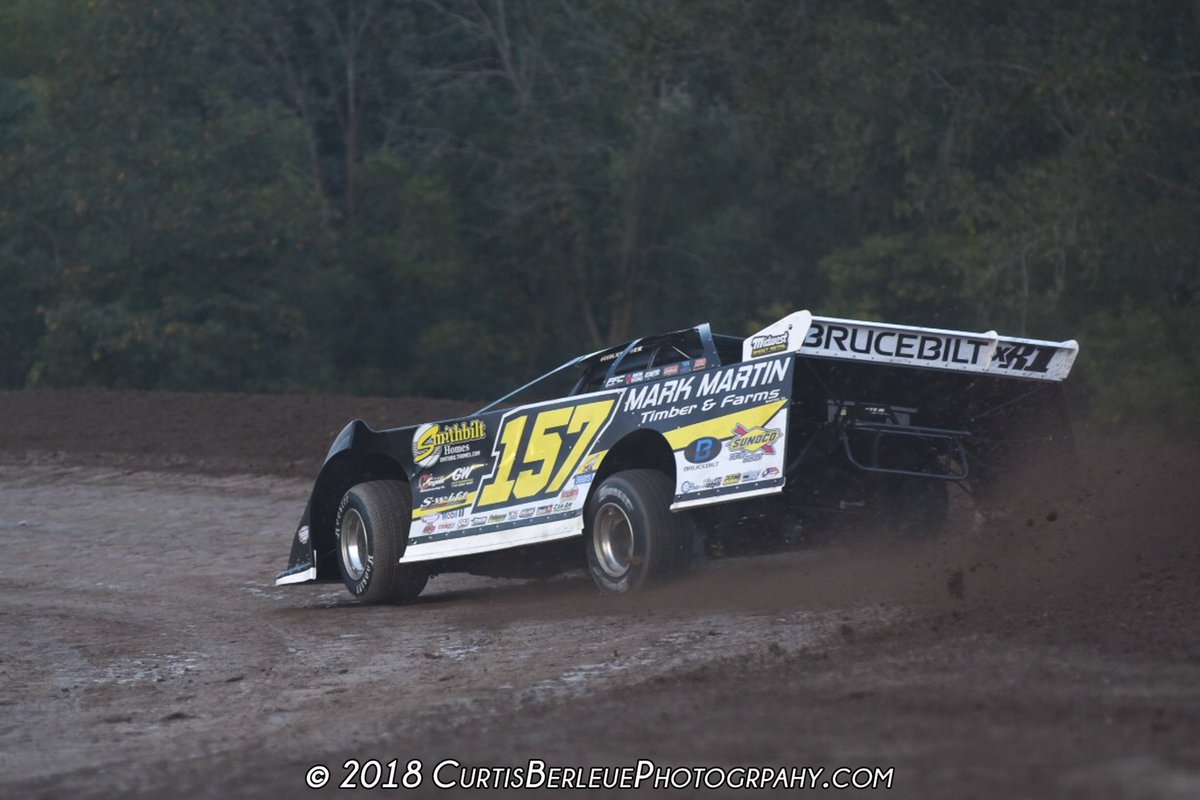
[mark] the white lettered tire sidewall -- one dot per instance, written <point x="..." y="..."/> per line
<point x="361" y="586"/>
<point x="372" y="523"/>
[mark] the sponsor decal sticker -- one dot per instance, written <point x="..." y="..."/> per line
<point x="753" y="443"/>
<point x="441" y="501"/>
<point x="738" y="382"/>
<point x="688" y="486"/>
<point x="771" y="343"/>
<point x="1023" y="357"/>
<point x="711" y="483"/>
<point x="750" y="476"/>
<point x="512" y="515"/>
<point x="544" y="510"/>
<point x="459" y="452"/>
<point x="730" y="480"/>
<point x="459" y="476"/>
<point x="702" y="450"/>
<point x="915" y="345"/>
<point x="493" y="519"/>
<point x="670" y="369"/>
<point x="430" y="439"/>
<point x="584" y="479"/>
<point x="462" y="475"/>
<point x="651" y="374"/>
<point x="570" y="493"/>
<point x="463" y="524"/>
<point x="770" y="472"/>
<point x="526" y="513"/>
<point x="478" y="521"/>
<point x="562" y="506"/>
<point x="700" y="363"/>
<point x="428" y="482"/>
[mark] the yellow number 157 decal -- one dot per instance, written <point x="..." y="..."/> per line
<point x="542" y="448"/>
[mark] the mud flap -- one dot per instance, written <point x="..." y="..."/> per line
<point x="302" y="563"/>
<point x="301" y="573"/>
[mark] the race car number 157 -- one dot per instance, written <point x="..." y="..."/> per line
<point x="540" y="450"/>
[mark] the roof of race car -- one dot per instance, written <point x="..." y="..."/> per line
<point x="686" y="343"/>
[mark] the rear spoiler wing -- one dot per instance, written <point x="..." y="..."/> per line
<point x="906" y="345"/>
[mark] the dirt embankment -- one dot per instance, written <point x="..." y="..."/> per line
<point x="209" y="432"/>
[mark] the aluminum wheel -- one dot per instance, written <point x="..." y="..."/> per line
<point x="354" y="544"/>
<point x="613" y="540"/>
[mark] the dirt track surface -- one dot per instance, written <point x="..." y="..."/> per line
<point x="144" y="651"/>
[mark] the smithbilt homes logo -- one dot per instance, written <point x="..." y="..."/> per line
<point x="429" y="439"/>
<point x="768" y="344"/>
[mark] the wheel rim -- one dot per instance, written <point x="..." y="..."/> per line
<point x="354" y="544"/>
<point x="613" y="540"/>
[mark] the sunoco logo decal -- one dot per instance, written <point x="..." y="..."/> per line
<point x="429" y="439"/>
<point x="766" y="345"/>
<point x="747" y="444"/>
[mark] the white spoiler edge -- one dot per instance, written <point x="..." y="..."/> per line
<point x="931" y="348"/>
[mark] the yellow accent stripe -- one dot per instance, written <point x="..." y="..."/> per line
<point x="722" y="427"/>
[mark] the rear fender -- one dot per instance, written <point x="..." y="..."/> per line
<point x="644" y="448"/>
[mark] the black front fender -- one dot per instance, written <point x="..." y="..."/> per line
<point x="357" y="455"/>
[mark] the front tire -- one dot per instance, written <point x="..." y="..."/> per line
<point x="372" y="529"/>
<point x="632" y="536"/>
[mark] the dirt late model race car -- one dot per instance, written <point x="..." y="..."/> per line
<point x="639" y="458"/>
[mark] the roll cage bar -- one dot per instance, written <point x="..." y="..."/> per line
<point x="618" y="355"/>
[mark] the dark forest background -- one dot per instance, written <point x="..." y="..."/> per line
<point x="446" y="198"/>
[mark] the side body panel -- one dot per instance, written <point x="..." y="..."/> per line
<point x="520" y="476"/>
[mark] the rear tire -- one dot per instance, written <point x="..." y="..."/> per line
<point x="372" y="530"/>
<point x="632" y="536"/>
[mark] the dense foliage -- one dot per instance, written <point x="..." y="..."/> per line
<point x="449" y="196"/>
